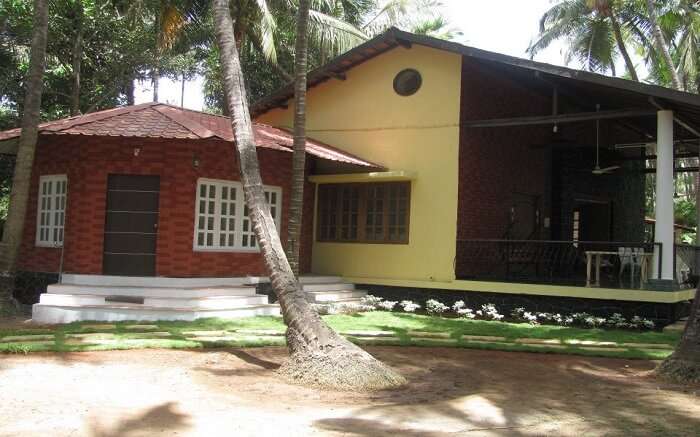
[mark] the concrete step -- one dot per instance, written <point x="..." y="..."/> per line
<point x="153" y="291"/>
<point x="42" y="313"/>
<point x="312" y="279"/>
<point x="333" y="286"/>
<point x="333" y="296"/>
<point x="158" y="281"/>
<point x="212" y="302"/>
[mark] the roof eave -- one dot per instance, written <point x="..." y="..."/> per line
<point x="395" y="37"/>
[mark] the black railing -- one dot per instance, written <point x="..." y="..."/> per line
<point x="555" y="262"/>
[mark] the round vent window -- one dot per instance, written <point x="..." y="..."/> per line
<point x="407" y="82"/>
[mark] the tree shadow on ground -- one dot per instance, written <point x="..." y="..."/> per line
<point x="259" y="366"/>
<point x="157" y="419"/>
<point x="252" y="359"/>
<point x="514" y="393"/>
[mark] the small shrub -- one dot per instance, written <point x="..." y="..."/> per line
<point x="617" y="321"/>
<point x="594" y="322"/>
<point x="435" y="307"/>
<point x="641" y="323"/>
<point x="517" y="314"/>
<point x="530" y="318"/>
<point x="371" y="301"/>
<point x="387" y="305"/>
<point x="462" y="311"/>
<point x="489" y="312"/>
<point x="409" y="306"/>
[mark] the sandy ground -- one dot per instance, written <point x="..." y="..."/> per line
<point x="236" y="393"/>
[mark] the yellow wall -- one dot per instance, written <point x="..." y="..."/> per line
<point x="350" y="114"/>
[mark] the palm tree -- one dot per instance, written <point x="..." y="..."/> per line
<point x="318" y="356"/>
<point x="688" y="45"/>
<point x="662" y="45"/>
<point x="594" y="32"/>
<point x="19" y="195"/>
<point x="684" y="364"/>
<point x="296" y="201"/>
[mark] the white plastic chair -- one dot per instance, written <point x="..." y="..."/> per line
<point x="629" y="257"/>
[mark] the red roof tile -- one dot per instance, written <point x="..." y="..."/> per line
<point x="159" y="120"/>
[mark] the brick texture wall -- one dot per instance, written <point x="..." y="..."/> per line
<point x="89" y="160"/>
<point x="499" y="167"/>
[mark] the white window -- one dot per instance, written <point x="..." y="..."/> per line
<point x="221" y="216"/>
<point x="51" y="210"/>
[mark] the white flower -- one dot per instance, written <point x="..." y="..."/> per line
<point x="435" y="307"/>
<point x="409" y="306"/>
<point x="387" y="305"/>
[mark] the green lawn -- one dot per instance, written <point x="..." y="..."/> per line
<point x="399" y="329"/>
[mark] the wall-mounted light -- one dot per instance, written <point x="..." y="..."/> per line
<point x="137" y="150"/>
<point x="195" y="161"/>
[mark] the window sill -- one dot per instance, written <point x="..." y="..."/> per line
<point x="48" y="245"/>
<point x="215" y="250"/>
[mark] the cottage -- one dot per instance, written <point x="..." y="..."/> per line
<point x="123" y="195"/>
<point x="453" y="172"/>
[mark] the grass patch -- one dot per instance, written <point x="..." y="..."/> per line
<point x="224" y="335"/>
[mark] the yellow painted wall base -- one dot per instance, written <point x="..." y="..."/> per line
<point x="538" y="290"/>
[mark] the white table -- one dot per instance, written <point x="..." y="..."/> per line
<point x="646" y="256"/>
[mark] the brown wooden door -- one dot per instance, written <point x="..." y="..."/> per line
<point x="131" y="225"/>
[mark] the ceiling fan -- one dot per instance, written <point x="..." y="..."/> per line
<point x="597" y="170"/>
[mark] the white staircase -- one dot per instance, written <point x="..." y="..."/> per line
<point x="326" y="290"/>
<point x="116" y="298"/>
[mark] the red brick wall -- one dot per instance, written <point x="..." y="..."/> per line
<point x="497" y="163"/>
<point x="89" y="160"/>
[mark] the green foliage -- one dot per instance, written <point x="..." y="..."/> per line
<point x="586" y="27"/>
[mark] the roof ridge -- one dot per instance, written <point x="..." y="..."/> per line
<point x="193" y="126"/>
<point x="90" y="117"/>
<point x="181" y="108"/>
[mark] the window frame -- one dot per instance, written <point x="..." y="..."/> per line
<point x="238" y="217"/>
<point x="52" y="211"/>
<point x="362" y="213"/>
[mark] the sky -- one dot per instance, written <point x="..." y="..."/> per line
<point x="504" y="26"/>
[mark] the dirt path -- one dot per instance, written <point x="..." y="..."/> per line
<point x="235" y="392"/>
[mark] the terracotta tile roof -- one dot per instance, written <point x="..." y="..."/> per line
<point x="159" y="120"/>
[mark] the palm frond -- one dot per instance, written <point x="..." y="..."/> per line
<point x="331" y="35"/>
<point x="266" y="27"/>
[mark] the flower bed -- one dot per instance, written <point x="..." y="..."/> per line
<point x="489" y="311"/>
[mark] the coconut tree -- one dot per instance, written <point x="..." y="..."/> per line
<point x="593" y="29"/>
<point x="318" y="356"/>
<point x="684" y="364"/>
<point x="19" y="194"/>
<point x="662" y="45"/>
<point x="296" y="201"/>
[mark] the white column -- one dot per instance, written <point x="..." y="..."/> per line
<point x="663" y="229"/>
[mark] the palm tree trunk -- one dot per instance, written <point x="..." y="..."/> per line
<point x="622" y="48"/>
<point x="19" y="195"/>
<point x="296" y="201"/>
<point x="662" y="46"/>
<point x="318" y="356"/>
<point x="130" y="91"/>
<point x="182" y="91"/>
<point x="155" y="77"/>
<point x="684" y="364"/>
<point x="77" y="58"/>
